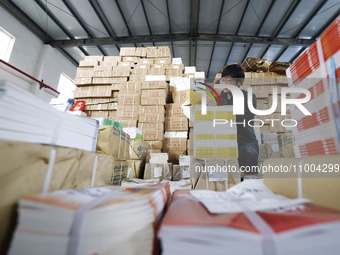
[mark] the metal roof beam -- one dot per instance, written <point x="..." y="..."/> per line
<point x="147" y="20"/>
<point x="217" y="31"/>
<point x="101" y="16"/>
<point x="32" y="26"/>
<point x="285" y="18"/>
<point x="194" y="18"/>
<point x="59" y="24"/>
<point x="238" y="29"/>
<point x="81" y="22"/>
<point x="183" y="37"/>
<point x="170" y="31"/>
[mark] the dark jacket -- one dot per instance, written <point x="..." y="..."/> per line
<point x="244" y="134"/>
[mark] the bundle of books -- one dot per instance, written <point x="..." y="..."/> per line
<point x="105" y="220"/>
<point x="26" y="118"/>
<point x="317" y="70"/>
<point x="208" y="222"/>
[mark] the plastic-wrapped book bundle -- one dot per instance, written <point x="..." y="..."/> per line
<point x="248" y="213"/>
<point x="104" y="220"/>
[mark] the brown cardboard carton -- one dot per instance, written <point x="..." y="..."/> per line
<point x="130" y="59"/>
<point x="151" y="151"/>
<point x="127" y="51"/>
<point x="180" y="172"/>
<point x="141" y="52"/>
<point x="156" y="71"/>
<point x="88" y="63"/>
<point x="174" y="143"/>
<point x="108" y="80"/>
<point x="174" y="110"/>
<point x="84" y="72"/>
<point x="120" y="169"/>
<point x="176" y="67"/>
<point x="179" y="96"/>
<point x="82" y="81"/>
<point x="129" y="64"/>
<point x="119" y="71"/>
<point x="115" y="86"/>
<point x="163" y="52"/>
<point x="103" y="67"/>
<point x="111" y="60"/>
<point x="152" y="135"/>
<point x="130" y="88"/>
<point x="200" y="180"/>
<point x="151" y="126"/>
<point x="146" y="61"/>
<point x="151" y="52"/>
<point x="176" y="124"/>
<point x="93" y="91"/>
<point x="151" y="117"/>
<point x="112" y="115"/>
<point x="129" y="100"/>
<point x="127" y="112"/>
<point x="154" y="85"/>
<point x="174" y="72"/>
<point x="165" y="61"/>
<point x="127" y="123"/>
<point x="158" y="171"/>
<point x="155" y="145"/>
<point x="152" y="109"/>
<point x="134" y="77"/>
<point x="138" y="149"/>
<point x="154" y="93"/>
<point x="135" y="168"/>
<point x="145" y="100"/>
<point x="174" y="156"/>
<point x="286" y="145"/>
<point x="140" y="71"/>
<point x="114" y="142"/>
<point x="322" y="188"/>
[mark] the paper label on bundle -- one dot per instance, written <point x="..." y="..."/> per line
<point x="158" y="172"/>
<point x="218" y="176"/>
<point x="186" y="173"/>
<point x="129" y="172"/>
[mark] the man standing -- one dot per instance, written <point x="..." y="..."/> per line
<point x="248" y="148"/>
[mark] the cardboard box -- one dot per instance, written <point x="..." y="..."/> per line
<point x="174" y="110"/>
<point x="152" y="109"/>
<point x="154" y="93"/>
<point x="111" y="60"/>
<point x="286" y="145"/>
<point x="129" y="64"/>
<point x="175" y="143"/>
<point x="138" y="149"/>
<point x="108" y="80"/>
<point x="199" y="180"/>
<point x="151" y="126"/>
<point x="140" y="71"/>
<point x="127" y="51"/>
<point x="151" y="117"/>
<point x="180" y="172"/>
<point x="127" y="123"/>
<point x="103" y="67"/>
<point x="84" y="72"/>
<point x="153" y="135"/>
<point x="115" y="86"/>
<point x="114" y="142"/>
<point x="178" y="97"/>
<point x="145" y="100"/>
<point x="156" y="71"/>
<point x="174" y="72"/>
<point x="119" y="71"/>
<point x="322" y="188"/>
<point x="165" y="61"/>
<point x="158" y="171"/>
<point x="130" y="87"/>
<point x="129" y="100"/>
<point x="141" y="52"/>
<point x="163" y="52"/>
<point x="130" y="59"/>
<point x="174" y="155"/>
<point x="155" y="145"/>
<point x="82" y="81"/>
<point x="88" y="63"/>
<point x="120" y="168"/>
<point x="93" y="91"/>
<point x="112" y="115"/>
<point x="127" y="112"/>
<point x="176" y="124"/>
<point x="176" y="67"/>
<point x="154" y="85"/>
<point x="135" y="168"/>
<point x="135" y="77"/>
<point x="146" y="62"/>
<point x="98" y="114"/>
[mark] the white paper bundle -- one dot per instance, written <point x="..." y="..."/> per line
<point x="26" y="118"/>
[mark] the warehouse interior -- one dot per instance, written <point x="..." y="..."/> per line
<point x="201" y="125"/>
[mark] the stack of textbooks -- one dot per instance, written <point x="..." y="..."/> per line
<point x="247" y="219"/>
<point x="27" y="118"/>
<point x="105" y="220"/>
<point x="318" y="70"/>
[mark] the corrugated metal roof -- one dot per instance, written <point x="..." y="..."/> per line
<point x="192" y="28"/>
